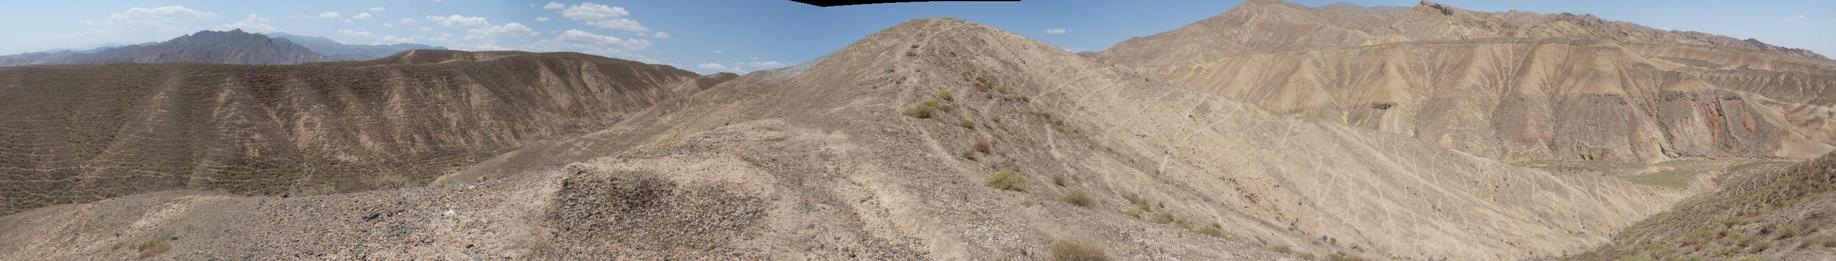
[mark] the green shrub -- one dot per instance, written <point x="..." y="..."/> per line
<point x="922" y="110"/>
<point x="1008" y="180"/>
<point x="946" y="96"/>
<point x="1079" y="198"/>
<point x="1076" y="251"/>
<point x="1132" y="213"/>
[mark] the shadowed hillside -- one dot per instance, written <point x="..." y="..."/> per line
<point x="76" y="134"/>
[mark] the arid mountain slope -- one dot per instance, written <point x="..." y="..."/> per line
<point x="1782" y="215"/>
<point x="1513" y="86"/>
<point x="891" y="149"/>
<point x="82" y="133"/>
<point x="225" y="47"/>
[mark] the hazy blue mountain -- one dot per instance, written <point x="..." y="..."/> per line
<point x="228" y="47"/>
<point x="339" y="51"/>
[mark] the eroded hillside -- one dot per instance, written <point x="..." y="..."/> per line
<point x="1782" y="214"/>
<point x="1513" y="86"/>
<point x="936" y="139"/>
<point x="81" y="133"/>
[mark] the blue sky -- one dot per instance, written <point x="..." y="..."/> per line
<point x="709" y="36"/>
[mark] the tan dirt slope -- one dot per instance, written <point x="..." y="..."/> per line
<point x="82" y="133"/>
<point x="1513" y="86"/>
<point x="872" y="153"/>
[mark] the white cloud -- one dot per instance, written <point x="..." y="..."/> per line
<point x="554" y="6"/>
<point x="719" y="51"/>
<point x="1057" y="31"/>
<point x="542" y="19"/>
<point x="603" y="16"/>
<point x="1795" y="18"/>
<point x="578" y="36"/>
<point x="459" y="20"/>
<point x="254" y="23"/>
<point x="493" y="32"/>
<point x="714" y="67"/>
<point x="376" y="9"/>
<point x="574" y="40"/>
<point x="738" y="67"/>
<point x="354" y="33"/>
<point x="661" y="35"/>
<point x="361" y="16"/>
<point x="406" y="21"/>
<point x="156" y="17"/>
<point x="328" y="14"/>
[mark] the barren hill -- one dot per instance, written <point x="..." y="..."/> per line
<point x="936" y="139"/>
<point x="82" y="133"/>
<point x="1514" y="86"/>
<point x="225" y="47"/>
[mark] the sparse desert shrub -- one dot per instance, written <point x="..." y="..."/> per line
<point x="1304" y="256"/>
<point x="1163" y="218"/>
<point x="1008" y="180"/>
<point x="1343" y="257"/>
<point x="1058" y="180"/>
<point x="1076" y="251"/>
<point x="946" y="96"/>
<point x="1079" y="198"/>
<point x="1789" y="231"/>
<point x="1283" y="249"/>
<point x="922" y="110"/>
<point x="966" y="124"/>
<point x="1132" y="213"/>
<point x="155" y="246"/>
<point x="982" y="146"/>
<point x="1138" y="201"/>
<point x="1215" y="231"/>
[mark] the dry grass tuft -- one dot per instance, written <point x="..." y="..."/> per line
<point x="922" y="110"/>
<point x="1076" y="251"/>
<point x="1008" y="180"/>
<point x="982" y="146"/>
<point x="1079" y="198"/>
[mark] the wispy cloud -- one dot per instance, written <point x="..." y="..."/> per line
<point x="459" y="21"/>
<point x="602" y="16"/>
<point x="254" y="23"/>
<point x="329" y="15"/>
<point x="1057" y="31"/>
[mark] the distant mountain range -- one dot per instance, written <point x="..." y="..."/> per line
<point x="225" y="47"/>
<point x="349" y="52"/>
